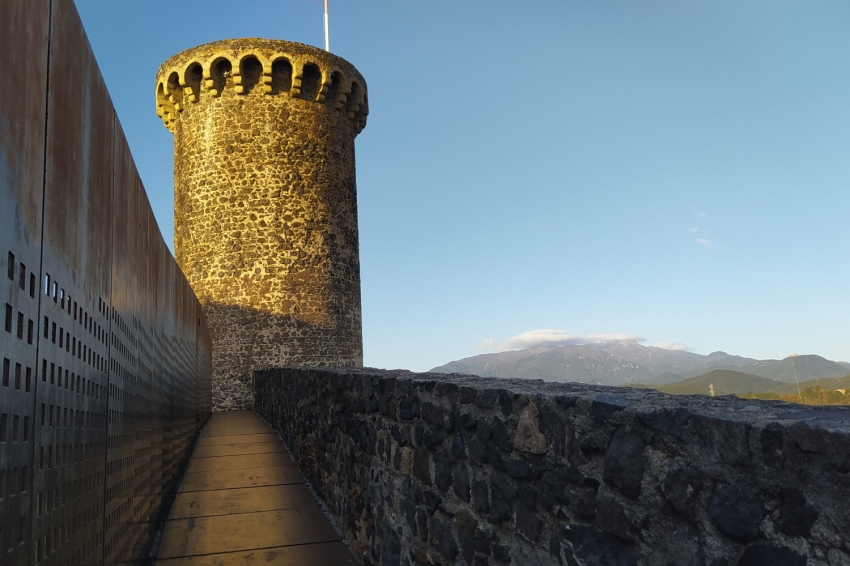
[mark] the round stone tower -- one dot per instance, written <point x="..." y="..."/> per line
<point x="265" y="203"/>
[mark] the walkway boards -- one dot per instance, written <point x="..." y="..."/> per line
<point x="242" y="502"/>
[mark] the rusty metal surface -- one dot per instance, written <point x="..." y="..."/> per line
<point x="73" y="347"/>
<point x="120" y="526"/>
<point x="105" y="353"/>
<point x="23" y="36"/>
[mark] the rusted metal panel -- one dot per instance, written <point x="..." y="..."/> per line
<point x="123" y="376"/>
<point x="151" y="323"/>
<point x="71" y="390"/>
<point x="23" y="53"/>
<point x="102" y="388"/>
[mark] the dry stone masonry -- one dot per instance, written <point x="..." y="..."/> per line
<point x="265" y="205"/>
<point x="430" y="469"/>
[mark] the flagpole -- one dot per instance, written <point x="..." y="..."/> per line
<point x="327" y="32"/>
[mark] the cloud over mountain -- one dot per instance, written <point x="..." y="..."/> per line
<point x="552" y="337"/>
<point x="674" y="346"/>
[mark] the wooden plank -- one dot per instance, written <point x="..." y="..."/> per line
<point x="237" y="439"/>
<point x="242" y="462"/>
<point x="199" y="536"/>
<point x="323" y="554"/>
<point x="235" y="431"/>
<point x="227" y="479"/>
<point x="242" y="500"/>
<point x="237" y="449"/>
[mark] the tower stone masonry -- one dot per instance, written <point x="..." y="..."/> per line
<point x="265" y="203"/>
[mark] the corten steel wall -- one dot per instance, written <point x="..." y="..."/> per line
<point x="265" y="203"/>
<point x="105" y="351"/>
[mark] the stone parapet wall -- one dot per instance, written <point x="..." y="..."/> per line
<point x="449" y="469"/>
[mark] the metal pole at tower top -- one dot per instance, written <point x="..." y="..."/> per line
<point x="327" y="31"/>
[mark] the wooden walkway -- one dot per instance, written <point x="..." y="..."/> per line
<point x="243" y="502"/>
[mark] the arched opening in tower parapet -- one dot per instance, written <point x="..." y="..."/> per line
<point x="281" y="76"/>
<point x="362" y="112"/>
<point x="162" y="99"/>
<point x="174" y="90"/>
<point x="311" y="79"/>
<point x="252" y="71"/>
<point x="221" y="71"/>
<point x="355" y="100"/>
<point x="193" y="77"/>
<point x="335" y="90"/>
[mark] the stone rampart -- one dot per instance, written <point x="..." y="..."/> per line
<point x="449" y="469"/>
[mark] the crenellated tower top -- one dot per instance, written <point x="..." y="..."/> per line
<point x="271" y="67"/>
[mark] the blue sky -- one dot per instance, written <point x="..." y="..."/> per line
<point x="674" y="171"/>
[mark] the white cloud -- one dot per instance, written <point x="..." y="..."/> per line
<point x="593" y="337"/>
<point x="551" y="337"/>
<point x="701" y="235"/>
<point x="532" y="338"/>
<point x="675" y="346"/>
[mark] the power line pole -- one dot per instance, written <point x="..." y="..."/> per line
<point x="797" y="380"/>
<point x="327" y="31"/>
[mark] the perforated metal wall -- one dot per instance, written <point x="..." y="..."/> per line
<point x="105" y="353"/>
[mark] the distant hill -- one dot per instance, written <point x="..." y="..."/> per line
<point x="665" y="378"/>
<point x="806" y="368"/>
<point x="825" y="383"/>
<point x="725" y="382"/>
<point x="613" y="363"/>
<point x="630" y="363"/>
<point x="739" y="383"/>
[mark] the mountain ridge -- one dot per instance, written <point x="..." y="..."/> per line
<point x="627" y="362"/>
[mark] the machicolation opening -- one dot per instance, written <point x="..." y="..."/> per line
<point x="334" y="96"/>
<point x="310" y="78"/>
<point x="281" y="76"/>
<point x="194" y="76"/>
<point x="221" y="76"/>
<point x="251" y="73"/>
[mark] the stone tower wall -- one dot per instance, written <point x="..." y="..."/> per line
<point x="265" y="203"/>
